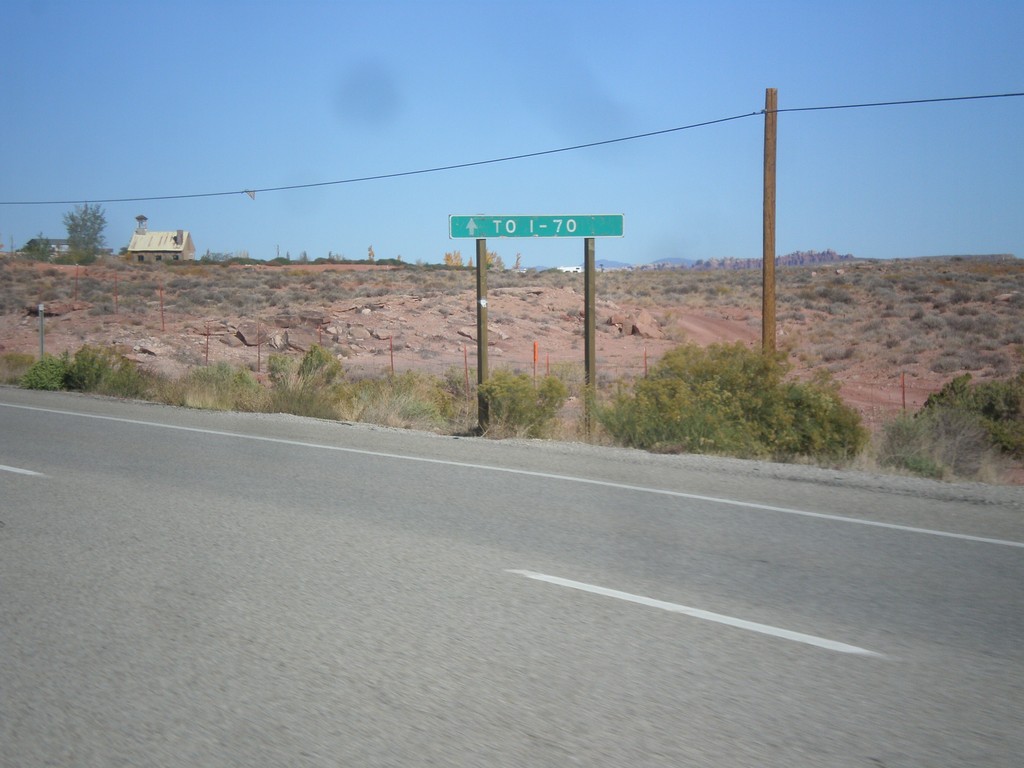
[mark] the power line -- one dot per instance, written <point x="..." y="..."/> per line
<point x="901" y="103"/>
<point x="508" y="158"/>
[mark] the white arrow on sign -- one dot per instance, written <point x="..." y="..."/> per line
<point x="471" y="227"/>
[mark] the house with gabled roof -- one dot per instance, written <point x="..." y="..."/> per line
<point x="160" y="246"/>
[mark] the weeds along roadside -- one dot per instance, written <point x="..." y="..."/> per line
<point x="722" y="400"/>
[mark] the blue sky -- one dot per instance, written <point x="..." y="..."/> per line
<point x="105" y="100"/>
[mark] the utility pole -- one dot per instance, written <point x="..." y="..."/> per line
<point x="589" y="332"/>
<point x="42" y="333"/>
<point x="771" y="106"/>
<point x="483" y="412"/>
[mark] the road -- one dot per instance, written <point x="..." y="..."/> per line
<point x="183" y="588"/>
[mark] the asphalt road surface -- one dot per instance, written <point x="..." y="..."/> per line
<point x="185" y="588"/>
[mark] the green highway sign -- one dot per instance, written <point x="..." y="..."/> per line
<point x="569" y="225"/>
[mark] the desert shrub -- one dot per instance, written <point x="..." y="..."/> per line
<point x="728" y="399"/>
<point x="410" y="400"/>
<point x="280" y="369"/>
<point x="516" y="407"/>
<point x="218" y="387"/>
<point x="318" y="366"/>
<point x="573" y="375"/>
<point x="89" y="367"/>
<point x="822" y="426"/>
<point x="457" y="381"/>
<point x="947" y="363"/>
<point x="316" y="403"/>
<point x="308" y="389"/>
<point x="13" y="366"/>
<point x="833" y="353"/>
<point x="942" y="444"/>
<point x="95" y="369"/>
<point x="966" y="324"/>
<point x="46" y="373"/>
<point x="834" y="294"/>
<point x="126" y="380"/>
<point x="997" y="405"/>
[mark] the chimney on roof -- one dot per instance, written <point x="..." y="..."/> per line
<point x="141" y="228"/>
<point x="179" y="237"/>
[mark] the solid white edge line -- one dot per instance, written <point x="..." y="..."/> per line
<point x="545" y="475"/>
<point x="19" y="471"/>
<point x="698" y="613"/>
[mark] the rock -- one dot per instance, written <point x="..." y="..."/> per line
<point x="300" y="339"/>
<point x="617" y="319"/>
<point x="56" y="308"/>
<point x="314" y="318"/>
<point x="358" y="333"/>
<point x="469" y="332"/>
<point x="646" y="327"/>
<point x="214" y="329"/>
<point x="642" y="324"/>
<point x="248" y="334"/>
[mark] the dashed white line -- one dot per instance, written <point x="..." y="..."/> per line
<point x="20" y="471"/>
<point x="699" y="613"/>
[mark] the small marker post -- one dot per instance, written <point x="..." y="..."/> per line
<point x="42" y="312"/>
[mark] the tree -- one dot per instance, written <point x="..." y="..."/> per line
<point x="38" y="248"/>
<point x="494" y="261"/>
<point x="85" y="227"/>
<point x="453" y="259"/>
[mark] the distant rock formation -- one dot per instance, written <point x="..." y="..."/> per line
<point x="795" y="259"/>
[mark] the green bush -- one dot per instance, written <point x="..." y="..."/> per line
<point x="89" y="367"/>
<point x="939" y="443"/>
<point x="46" y="373"/>
<point x="95" y="369"/>
<point x="998" y="407"/>
<point x="516" y="407"/>
<point x="731" y="400"/>
<point x="318" y="367"/>
<point x="822" y="425"/>
<point x="126" y="380"/>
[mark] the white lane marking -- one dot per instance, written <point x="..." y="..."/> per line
<point x="19" y="471"/>
<point x="698" y="613"/>
<point x="533" y="473"/>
